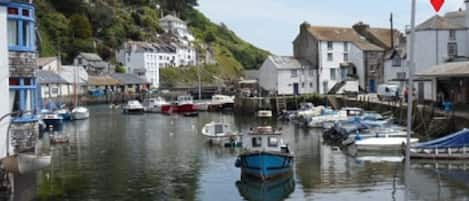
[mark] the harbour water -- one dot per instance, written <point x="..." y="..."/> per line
<point x="118" y="157"/>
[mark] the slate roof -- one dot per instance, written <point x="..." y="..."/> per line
<point x="438" y="23"/>
<point x="90" y="56"/>
<point x="287" y="62"/>
<point x="42" y="61"/>
<point x="152" y="47"/>
<point x="128" y="78"/>
<point x="49" y="77"/>
<point x="342" y="34"/>
<point x="457" y="69"/>
<point x="105" y="80"/>
<point x="68" y="73"/>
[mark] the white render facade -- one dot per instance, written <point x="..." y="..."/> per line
<point x="287" y="76"/>
<point x="330" y="71"/>
<point x="4" y="86"/>
<point x="175" y="25"/>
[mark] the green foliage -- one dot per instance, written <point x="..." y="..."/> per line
<point x="72" y="26"/>
<point x="80" y="27"/>
<point x="120" y="69"/>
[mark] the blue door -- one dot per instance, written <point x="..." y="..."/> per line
<point x="296" y="89"/>
<point x="372" y="86"/>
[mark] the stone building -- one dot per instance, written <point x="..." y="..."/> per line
<point x="341" y="53"/>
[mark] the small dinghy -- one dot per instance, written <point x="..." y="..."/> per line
<point x="220" y="133"/>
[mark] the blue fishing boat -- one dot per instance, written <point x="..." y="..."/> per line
<point x="265" y="154"/>
<point x="272" y="190"/>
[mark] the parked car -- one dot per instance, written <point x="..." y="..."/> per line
<point x="389" y="92"/>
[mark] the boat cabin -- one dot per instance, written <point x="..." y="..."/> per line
<point x="353" y="112"/>
<point x="153" y="101"/>
<point x="265" y="139"/>
<point x="222" y="99"/>
<point x="185" y="100"/>
<point x="217" y="129"/>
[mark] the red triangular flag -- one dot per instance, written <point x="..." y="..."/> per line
<point x="437" y="4"/>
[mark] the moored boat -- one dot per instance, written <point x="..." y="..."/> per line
<point x="451" y="147"/>
<point x="133" y="107"/>
<point x="265" y="154"/>
<point x="52" y="120"/>
<point x="183" y="104"/>
<point x="328" y="118"/>
<point x="383" y="143"/>
<point x="156" y="105"/>
<point x="222" y="103"/>
<point x="80" y="113"/>
<point x="220" y="133"/>
<point x="65" y="114"/>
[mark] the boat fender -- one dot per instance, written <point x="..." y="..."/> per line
<point x="238" y="163"/>
<point x="358" y="137"/>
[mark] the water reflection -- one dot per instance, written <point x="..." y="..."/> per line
<point x="156" y="157"/>
<point x="274" y="190"/>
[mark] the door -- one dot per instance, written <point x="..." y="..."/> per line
<point x="296" y="89"/>
<point x="421" y="92"/>
<point x="372" y="86"/>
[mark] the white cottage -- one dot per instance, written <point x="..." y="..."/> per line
<point x="4" y="91"/>
<point x="285" y="75"/>
<point x="439" y="40"/>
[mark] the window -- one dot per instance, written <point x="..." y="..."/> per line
<point x="20" y="27"/>
<point x="330" y="45"/>
<point x="396" y="61"/>
<point x="401" y="75"/>
<point x="452" y="35"/>
<point x="256" y="142"/>
<point x="273" y="142"/>
<point x="333" y="75"/>
<point x="452" y="49"/>
<point x="302" y="85"/>
<point x="345" y="57"/>
<point x="345" y="46"/>
<point x="294" y="73"/>
<point x="311" y="73"/>
<point x="13" y="33"/>
<point x="330" y="57"/>
<point x="311" y="85"/>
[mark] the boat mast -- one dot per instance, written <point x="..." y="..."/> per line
<point x="75" y="86"/>
<point x="410" y="87"/>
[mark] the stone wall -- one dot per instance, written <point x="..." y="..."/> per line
<point x="22" y="64"/>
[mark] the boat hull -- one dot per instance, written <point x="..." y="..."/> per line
<point x="185" y="108"/>
<point x="80" y="115"/>
<point x="55" y="124"/>
<point x="265" y="165"/>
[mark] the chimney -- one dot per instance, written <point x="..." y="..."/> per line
<point x="304" y="27"/>
<point x="361" y="28"/>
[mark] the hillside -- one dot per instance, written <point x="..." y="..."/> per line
<point x="71" y="26"/>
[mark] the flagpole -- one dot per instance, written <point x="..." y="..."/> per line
<point x="410" y="87"/>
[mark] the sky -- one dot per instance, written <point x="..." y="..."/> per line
<point x="274" y="24"/>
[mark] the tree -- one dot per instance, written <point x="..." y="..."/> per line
<point x="120" y="69"/>
<point x="69" y="6"/>
<point x="210" y="37"/>
<point x="80" y="27"/>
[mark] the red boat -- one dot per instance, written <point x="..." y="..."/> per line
<point x="184" y="104"/>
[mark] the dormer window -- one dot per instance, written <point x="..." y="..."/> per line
<point x="330" y="45"/>
<point x="21" y="23"/>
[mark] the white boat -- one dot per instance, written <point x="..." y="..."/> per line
<point x="133" y="106"/>
<point x="329" y="117"/>
<point x="80" y="113"/>
<point x="202" y="105"/>
<point x="383" y="143"/>
<point x="30" y="162"/>
<point x="264" y="113"/>
<point x="155" y="105"/>
<point x="222" y="102"/>
<point x="220" y="133"/>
